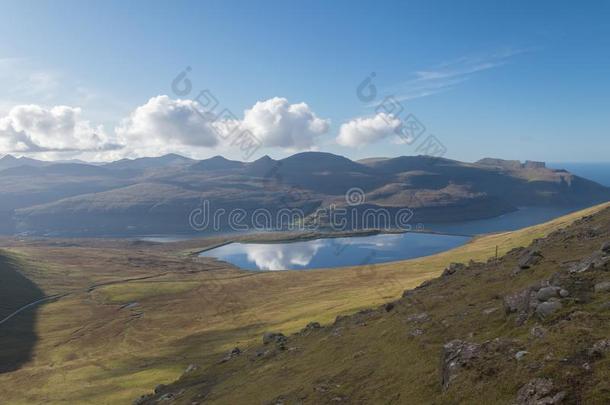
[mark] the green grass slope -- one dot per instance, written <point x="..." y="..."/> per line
<point x="401" y="353"/>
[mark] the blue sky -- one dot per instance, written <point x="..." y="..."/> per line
<point x="517" y="80"/>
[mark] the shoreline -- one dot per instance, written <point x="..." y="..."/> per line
<point x="285" y="238"/>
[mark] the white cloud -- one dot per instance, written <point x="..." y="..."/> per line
<point x="365" y="130"/>
<point x="33" y="128"/>
<point x="277" y="123"/>
<point x="164" y="124"/>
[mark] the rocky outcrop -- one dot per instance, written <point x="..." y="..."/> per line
<point x="539" y="391"/>
<point x="599" y="349"/>
<point x="275" y="337"/>
<point x="546" y="309"/>
<point x="543" y="301"/>
<point x="546" y="293"/>
<point x="456" y="355"/>
<point x="453" y="268"/>
<point x="522" y="303"/>
<point x="530" y="258"/>
<point x="311" y="326"/>
<point x="597" y="260"/>
<point x="604" y="286"/>
<point x="231" y="355"/>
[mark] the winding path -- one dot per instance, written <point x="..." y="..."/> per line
<point x="32" y="304"/>
<point x="88" y="289"/>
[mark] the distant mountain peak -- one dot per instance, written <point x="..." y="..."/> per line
<point x="174" y="156"/>
<point x="8" y="158"/>
<point x="216" y="163"/>
<point x="265" y="158"/>
<point x="217" y="158"/>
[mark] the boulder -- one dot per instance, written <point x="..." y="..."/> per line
<point x="489" y="311"/>
<point x="452" y="268"/>
<point x="596" y="260"/>
<point x="602" y="287"/>
<point x="232" y="354"/>
<point x="546" y="293"/>
<point x="456" y="355"/>
<point x="389" y="306"/>
<point x="539" y="391"/>
<point x="421" y="317"/>
<point x="530" y="258"/>
<point x="545" y="309"/>
<point x="166" y="397"/>
<point x="416" y="332"/>
<point x="538" y="331"/>
<point x="605" y="247"/>
<point x="521" y="354"/>
<point x="522" y="302"/>
<point x="517" y="302"/>
<point x="599" y="349"/>
<point x="273" y="337"/>
<point x="311" y="326"/>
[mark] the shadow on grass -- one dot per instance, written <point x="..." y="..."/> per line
<point x="17" y="335"/>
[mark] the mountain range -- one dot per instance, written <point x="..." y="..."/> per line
<point x="157" y="194"/>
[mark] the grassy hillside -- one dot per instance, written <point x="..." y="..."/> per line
<point x="488" y="354"/>
<point x="138" y="315"/>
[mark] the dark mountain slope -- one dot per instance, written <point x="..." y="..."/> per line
<point x="437" y="189"/>
<point x="532" y="327"/>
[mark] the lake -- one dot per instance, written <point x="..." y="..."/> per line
<point x="334" y="252"/>
<point x="357" y="250"/>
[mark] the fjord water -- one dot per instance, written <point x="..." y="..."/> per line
<point x="334" y="252"/>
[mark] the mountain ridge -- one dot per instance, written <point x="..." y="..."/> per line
<point x="437" y="189"/>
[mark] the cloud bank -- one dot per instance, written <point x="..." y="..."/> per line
<point x="160" y="125"/>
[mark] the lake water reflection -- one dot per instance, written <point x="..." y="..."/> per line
<point x="334" y="252"/>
